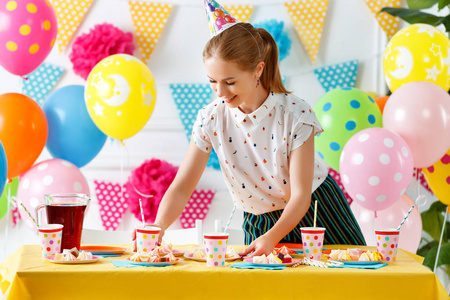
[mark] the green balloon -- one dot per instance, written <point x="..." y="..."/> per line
<point x="343" y="112"/>
<point x="10" y="189"/>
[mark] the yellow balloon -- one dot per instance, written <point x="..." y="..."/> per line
<point x="419" y="52"/>
<point x="438" y="178"/>
<point x="120" y="95"/>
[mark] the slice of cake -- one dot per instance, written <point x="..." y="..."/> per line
<point x="230" y="252"/>
<point x="260" y="259"/>
<point x="84" y="255"/>
<point x="272" y="259"/>
<point x="199" y="253"/>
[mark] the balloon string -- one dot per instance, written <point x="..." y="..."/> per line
<point x="440" y="240"/>
<point x="8" y="197"/>
<point x="121" y="170"/>
<point x="421" y="199"/>
<point x="129" y="167"/>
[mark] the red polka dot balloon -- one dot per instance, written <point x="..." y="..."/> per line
<point x="28" y="31"/>
<point x="438" y="178"/>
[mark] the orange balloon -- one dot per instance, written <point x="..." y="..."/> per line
<point x="23" y="131"/>
<point x="381" y="102"/>
<point x="219" y="13"/>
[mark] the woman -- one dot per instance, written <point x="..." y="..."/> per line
<point x="264" y="139"/>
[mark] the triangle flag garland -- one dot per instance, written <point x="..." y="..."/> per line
<point x="338" y="75"/>
<point x="112" y="205"/>
<point x="388" y="23"/>
<point x="149" y="20"/>
<point x="39" y="83"/>
<point x="242" y="13"/>
<point x="308" y="17"/>
<point x="190" y="98"/>
<point x="197" y="208"/>
<point x="69" y="17"/>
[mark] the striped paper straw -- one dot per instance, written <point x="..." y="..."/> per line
<point x="404" y="219"/>
<point x="26" y="210"/>
<point x="142" y="213"/>
<point x="229" y="219"/>
<point x="320" y="264"/>
<point x="315" y="214"/>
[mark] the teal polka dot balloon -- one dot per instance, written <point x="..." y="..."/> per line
<point x="343" y="112"/>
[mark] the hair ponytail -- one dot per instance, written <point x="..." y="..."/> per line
<point x="247" y="46"/>
<point x="271" y="77"/>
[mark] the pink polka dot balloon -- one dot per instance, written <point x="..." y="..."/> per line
<point x="28" y="31"/>
<point x="48" y="177"/>
<point x="376" y="167"/>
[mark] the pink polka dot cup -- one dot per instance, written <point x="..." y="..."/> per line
<point x="50" y="236"/>
<point x="147" y="238"/>
<point x="216" y="248"/>
<point x="387" y="243"/>
<point x="312" y="239"/>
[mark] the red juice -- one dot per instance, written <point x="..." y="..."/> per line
<point x="71" y="216"/>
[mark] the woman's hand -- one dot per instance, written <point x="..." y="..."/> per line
<point x="161" y="234"/>
<point x="260" y="246"/>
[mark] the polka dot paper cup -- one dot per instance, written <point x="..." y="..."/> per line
<point x="147" y="238"/>
<point x="312" y="239"/>
<point x="50" y="236"/>
<point x="387" y="242"/>
<point x="216" y="248"/>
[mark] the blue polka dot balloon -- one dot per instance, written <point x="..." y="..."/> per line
<point x="343" y="112"/>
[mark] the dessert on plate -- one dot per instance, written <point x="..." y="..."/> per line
<point x="284" y="250"/>
<point x="272" y="259"/>
<point x="355" y="255"/>
<point x="73" y="255"/>
<point x="149" y="258"/>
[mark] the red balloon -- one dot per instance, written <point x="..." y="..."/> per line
<point x="229" y="19"/>
<point x="23" y="131"/>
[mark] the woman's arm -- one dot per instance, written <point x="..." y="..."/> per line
<point x="301" y="173"/>
<point x="182" y="187"/>
<point x="180" y="191"/>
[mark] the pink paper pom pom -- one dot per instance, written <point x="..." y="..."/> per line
<point x="101" y="41"/>
<point x="153" y="177"/>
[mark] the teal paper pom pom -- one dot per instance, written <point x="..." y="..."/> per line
<point x="275" y="28"/>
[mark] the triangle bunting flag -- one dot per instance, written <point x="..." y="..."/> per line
<point x="197" y="208"/>
<point x="69" y="17"/>
<point x="149" y="20"/>
<point x="308" y="17"/>
<point x="39" y="83"/>
<point x="190" y="98"/>
<point x="338" y="75"/>
<point x="241" y="12"/>
<point x="112" y="205"/>
<point x="388" y="23"/>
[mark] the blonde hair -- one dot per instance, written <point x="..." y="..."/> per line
<point x="246" y="46"/>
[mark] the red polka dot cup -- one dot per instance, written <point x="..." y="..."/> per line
<point x="50" y="236"/>
<point x="312" y="239"/>
<point x="147" y="238"/>
<point x="216" y="248"/>
<point x="387" y="242"/>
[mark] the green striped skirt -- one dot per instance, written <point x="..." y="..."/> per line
<point x="333" y="213"/>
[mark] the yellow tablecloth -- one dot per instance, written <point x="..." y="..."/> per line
<point x="25" y="275"/>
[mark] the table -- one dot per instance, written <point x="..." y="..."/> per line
<point x="25" y="275"/>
